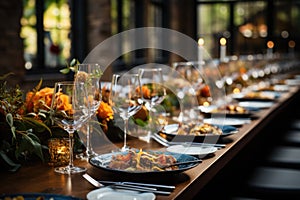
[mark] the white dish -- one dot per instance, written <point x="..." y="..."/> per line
<point x="226" y="121"/>
<point x="255" y="104"/>
<point x="111" y="194"/>
<point x="192" y="150"/>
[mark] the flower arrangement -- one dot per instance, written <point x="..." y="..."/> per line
<point x="26" y="126"/>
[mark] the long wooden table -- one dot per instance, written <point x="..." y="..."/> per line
<point x="41" y="178"/>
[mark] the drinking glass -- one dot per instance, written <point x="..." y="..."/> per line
<point x="126" y="100"/>
<point x="191" y="82"/>
<point x="90" y="74"/>
<point x="153" y="91"/>
<point x="70" y="110"/>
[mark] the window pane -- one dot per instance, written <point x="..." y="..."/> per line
<point x="57" y="27"/>
<point x="28" y="32"/>
<point x="213" y="22"/>
<point x="251" y="26"/>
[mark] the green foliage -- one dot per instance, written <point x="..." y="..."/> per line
<point x="23" y="135"/>
<point x="72" y="67"/>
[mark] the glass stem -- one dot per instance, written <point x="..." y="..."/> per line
<point x="71" y="145"/>
<point x="89" y="149"/>
<point x="125" y="133"/>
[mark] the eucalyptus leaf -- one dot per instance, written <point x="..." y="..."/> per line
<point x="13" y="167"/>
<point x="10" y="119"/>
<point x="65" y="70"/>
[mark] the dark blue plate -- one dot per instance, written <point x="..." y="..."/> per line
<point x="102" y="162"/>
<point x="37" y="196"/>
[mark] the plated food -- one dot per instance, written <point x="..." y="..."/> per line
<point x="255" y="95"/>
<point x="195" y="132"/>
<point x="143" y="162"/>
<point x="229" y="110"/>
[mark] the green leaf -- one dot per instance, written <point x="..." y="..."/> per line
<point x="65" y="70"/>
<point x="40" y="126"/>
<point x="30" y="143"/>
<point x="13" y="131"/>
<point x="13" y="167"/>
<point x="73" y="62"/>
<point x="141" y="122"/>
<point x="10" y="119"/>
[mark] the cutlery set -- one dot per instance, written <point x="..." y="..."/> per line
<point x="134" y="186"/>
<point x="167" y="143"/>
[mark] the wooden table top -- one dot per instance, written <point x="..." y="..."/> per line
<point x="41" y="178"/>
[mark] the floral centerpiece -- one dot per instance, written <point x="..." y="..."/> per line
<point x="25" y="125"/>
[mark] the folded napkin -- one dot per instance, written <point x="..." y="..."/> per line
<point x="227" y="128"/>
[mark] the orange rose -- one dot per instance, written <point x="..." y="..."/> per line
<point x="145" y="92"/>
<point x="39" y="99"/>
<point x="105" y="111"/>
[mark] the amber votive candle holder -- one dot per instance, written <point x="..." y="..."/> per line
<point x="59" y="151"/>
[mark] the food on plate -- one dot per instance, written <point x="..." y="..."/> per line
<point x="142" y="161"/>
<point x="231" y="108"/>
<point x="199" y="129"/>
<point x="260" y="95"/>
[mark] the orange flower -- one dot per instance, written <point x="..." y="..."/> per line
<point x="105" y="111"/>
<point x="145" y="92"/>
<point x="39" y="100"/>
<point x="64" y="102"/>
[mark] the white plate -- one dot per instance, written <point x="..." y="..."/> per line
<point x="110" y="194"/>
<point x="192" y="150"/>
<point x="255" y="104"/>
<point x="226" y="121"/>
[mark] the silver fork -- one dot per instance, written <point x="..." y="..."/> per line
<point x="125" y="186"/>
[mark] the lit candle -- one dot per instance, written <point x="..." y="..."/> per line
<point x="270" y="46"/>
<point x="292" y="45"/>
<point x="200" y="50"/>
<point x="222" y="49"/>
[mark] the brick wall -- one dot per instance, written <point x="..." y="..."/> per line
<point x="11" y="45"/>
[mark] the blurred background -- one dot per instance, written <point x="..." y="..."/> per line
<point x="40" y="37"/>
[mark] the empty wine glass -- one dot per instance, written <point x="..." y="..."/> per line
<point x="153" y="91"/>
<point x="90" y="74"/>
<point x="126" y="100"/>
<point x="70" y="110"/>
<point x="190" y="83"/>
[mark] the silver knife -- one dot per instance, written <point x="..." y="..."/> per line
<point x="169" y="187"/>
<point x="126" y="187"/>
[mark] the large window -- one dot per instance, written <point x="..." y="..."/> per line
<point x="46" y="28"/>
<point x="249" y="25"/>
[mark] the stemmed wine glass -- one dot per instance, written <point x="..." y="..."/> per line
<point x="153" y="91"/>
<point x="191" y="83"/>
<point x="126" y="97"/>
<point x="70" y="110"/>
<point x="90" y="74"/>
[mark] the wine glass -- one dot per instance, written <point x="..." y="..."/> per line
<point x="126" y="100"/>
<point x="90" y="74"/>
<point x="70" y="110"/>
<point x="153" y="91"/>
<point x="189" y="83"/>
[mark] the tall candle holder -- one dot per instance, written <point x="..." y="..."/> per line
<point x="222" y="49"/>
<point x="270" y="45"/>
<point x="200" y="50"/>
